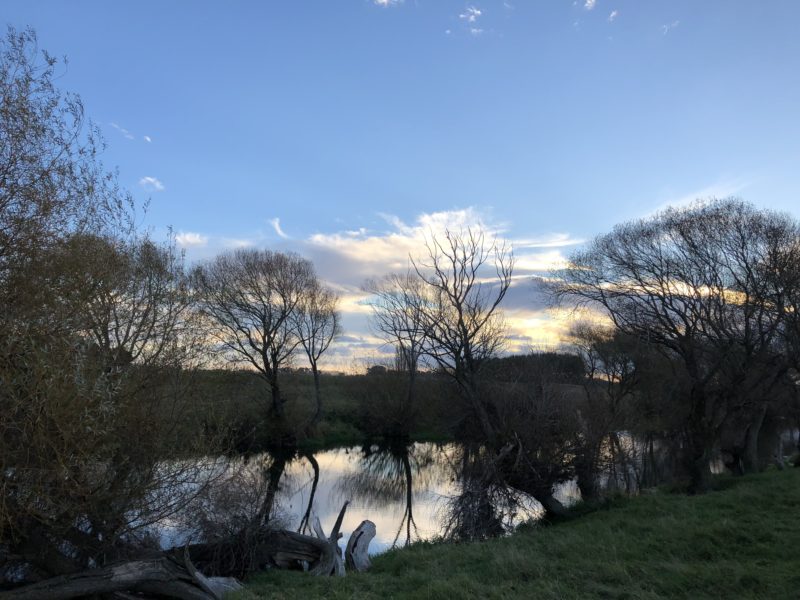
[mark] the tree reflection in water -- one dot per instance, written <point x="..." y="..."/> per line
<point x="485" y="506"/>
<point x="390" y="473"/>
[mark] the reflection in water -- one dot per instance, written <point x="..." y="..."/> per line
<point x="412" y="492"/>
<point x="387" y="475"/>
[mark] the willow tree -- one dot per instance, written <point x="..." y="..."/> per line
<point x="700" y="284"/>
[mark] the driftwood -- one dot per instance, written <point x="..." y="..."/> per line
<point x="179" y="573"/>
<point x="356" y="555"/>
<point x="163" y="576"/>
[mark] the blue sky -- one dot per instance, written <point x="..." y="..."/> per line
<point x="345" y="129"/>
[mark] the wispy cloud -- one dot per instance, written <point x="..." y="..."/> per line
<point x="665" y="29"/>
<point x="276" y="225"/>
<point x="471" y="14"/>
<point x="589" y="4"/>
<point x="190" y="239"/>
<point x="125" y="133"/>
<point x="386" y="3"/>
<point x="237" y="243"/>
<point x="723" y="188"/>
<point x="151" y="184"/>
<point x="147" y="138"/>
<point x="475" y="30"/>
<point x="612" y="17"/>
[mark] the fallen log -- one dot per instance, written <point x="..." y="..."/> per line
<point x="183" y="574"/>
<point x="162" y="576"/>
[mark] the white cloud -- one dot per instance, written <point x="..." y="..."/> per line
<point x="189" y="239"/>
<point x="147" y="139"/>
<point x="125" y="133"/>
<point x="589" y="4"/>
<point x="614" y="14"/>
<point x="386" y="3"/>
<point x="475" y="30"/>
<point x="151" y="184"/>
<point x="665" y="29"/>
<point x="471" y="14"/>
<point x="276" y="225"/>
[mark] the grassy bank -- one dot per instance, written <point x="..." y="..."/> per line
<point x="741" y="541"/>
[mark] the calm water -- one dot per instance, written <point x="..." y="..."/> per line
<point x="408" y="492"/>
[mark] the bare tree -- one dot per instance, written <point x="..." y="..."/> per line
<point x="460" y="312"/>
<point x="397" y="315"/>
<point x="317" y="323"/>
<point x="250" y="298"/>
<point x="697" y="283"/>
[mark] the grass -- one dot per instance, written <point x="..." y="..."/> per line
<point x="741" y="541"/>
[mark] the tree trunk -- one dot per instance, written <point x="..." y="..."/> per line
<point x="317" y="395"/>
<point x="699" y="462"/>
<point x="752" y="464"/>
<point x="277" y="401"/>
<point x="357" y="553"/>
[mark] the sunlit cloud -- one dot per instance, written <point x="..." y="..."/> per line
<point x="147" y="138"/>
<point x="190" y="239"/>
<point x="589" y="4"/>
<point x="386" y="3"/>
<point x="345" y="259"/>
<point x="614" y="14"/>
<point x="151" y="184"/>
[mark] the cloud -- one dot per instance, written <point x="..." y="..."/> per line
<point x="125" y="133"/>
<point x="552" y="240"/>
<point x="720" y="189"/>
<point x="386" y="3"/>
<point x="471" y="14"/>
<point x="665" y="29"/>
<point x="276" y="225"/>
<point x="614" y="14"/>
<point x="147" y="139"/>
<point x="589" y="4"/>
<point x="236" y="243"/>
<point x="346" y="258"/>
<point x="189" y="239"/>
<point x="151" y="184"/>
<point x="475" y="30"/>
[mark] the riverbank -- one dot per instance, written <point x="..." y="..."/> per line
<point x="737" y="542"/>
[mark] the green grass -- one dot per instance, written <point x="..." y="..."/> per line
<point x="739" y="542"/>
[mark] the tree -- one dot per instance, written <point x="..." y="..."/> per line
<point x="397" y="315"/>
<point x="317" y="323"/>
<point x="250" y="299"/>
<point x="699" y="284"/>
<point x="459" y="312"/>
<point x="95" y="350"/>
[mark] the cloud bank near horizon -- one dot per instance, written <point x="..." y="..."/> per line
<point x="346" y="259"/>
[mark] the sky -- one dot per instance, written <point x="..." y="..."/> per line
<point x="348" y="130"/>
